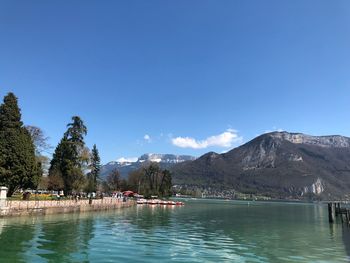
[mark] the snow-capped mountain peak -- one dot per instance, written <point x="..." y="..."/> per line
<point x="125" y="165"/>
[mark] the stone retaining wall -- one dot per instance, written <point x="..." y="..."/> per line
<point x="18" y="208"/>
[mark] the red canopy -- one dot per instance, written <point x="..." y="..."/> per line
<point x="128" y="193"/>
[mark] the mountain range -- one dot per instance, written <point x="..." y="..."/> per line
<point x="278" y="165"/>
<point x="124" y="166"/>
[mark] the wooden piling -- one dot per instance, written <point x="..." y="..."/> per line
<point x="337" y="209"/>
<point x="331" y="213"/>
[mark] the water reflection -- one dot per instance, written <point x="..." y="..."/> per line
<point x="200" y="231"/>
<point x="235" y="230"/>
<point x="66" y="240"/>
<point x="346" y="238"/>
<point x="15" y="240"/>
<point x="147" y="217"/>
<point x="46" y="239"/>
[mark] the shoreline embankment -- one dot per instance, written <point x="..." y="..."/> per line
<point x="9" y="208"/>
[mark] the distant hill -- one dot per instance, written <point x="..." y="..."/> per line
<point x="278" y="164"/>
<point x="124" y="167"/>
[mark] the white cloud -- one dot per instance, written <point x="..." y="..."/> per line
<point x="127" y="160"/>
<point x="225" y="139"/>
<point x="147" y="138"/>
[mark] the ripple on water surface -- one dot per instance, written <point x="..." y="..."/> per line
<point x="201" y="231"/>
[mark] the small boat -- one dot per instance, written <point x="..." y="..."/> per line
<point x="153" y="202"/>
<point x="179" y="203"/>
<point x="141" y="201"/>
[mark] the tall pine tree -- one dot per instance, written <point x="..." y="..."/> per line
<point x="95" y="169"/>
<point x="67" y="160"/>
<point x="93" y="175"/>
<point x="18" y="165"/>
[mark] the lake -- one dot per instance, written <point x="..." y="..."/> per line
<point x="200" y="231"/>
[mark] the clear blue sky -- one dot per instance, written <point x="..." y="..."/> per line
<point x="184" y="77"/>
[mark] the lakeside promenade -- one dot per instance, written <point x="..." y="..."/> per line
<point x="38" y="207"/>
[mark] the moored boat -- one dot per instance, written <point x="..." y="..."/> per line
<point x="141" y="201"/>
<point x="153" y="202"/>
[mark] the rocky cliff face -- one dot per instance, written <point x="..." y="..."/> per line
<point x="335" y="141"/>
<point x="279" y="164"/>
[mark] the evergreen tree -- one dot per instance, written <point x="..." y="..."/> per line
<point x="62" y="164"/>
<point x="75" y="134"/>
<point x="95" y="169"/>
<point x="18" y="165"/>
<point x="67" y="158"/>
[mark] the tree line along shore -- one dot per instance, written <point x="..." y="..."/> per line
<point x="26" y="162"/>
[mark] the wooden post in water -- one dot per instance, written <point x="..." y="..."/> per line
<point x="337" y="208"/>
<point x="341" y="217"/>
<point x="331" y="213"/>
<point x="334" y="205"/>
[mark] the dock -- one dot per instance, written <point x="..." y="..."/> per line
<point x="335" y="210"/>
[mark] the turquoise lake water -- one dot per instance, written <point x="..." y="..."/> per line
<point x="200" y="231"/>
